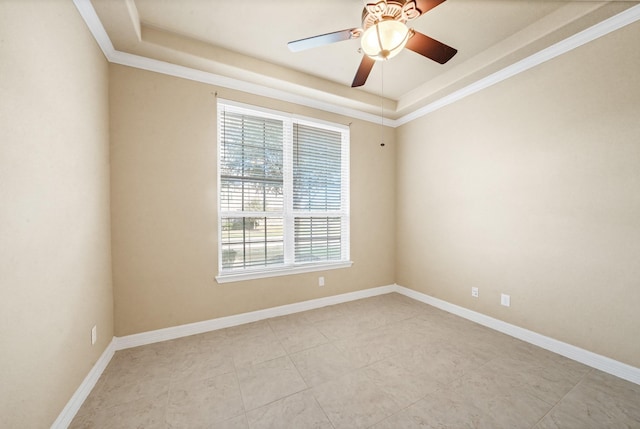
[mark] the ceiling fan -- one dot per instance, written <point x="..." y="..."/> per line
<point x="384" y="34"/>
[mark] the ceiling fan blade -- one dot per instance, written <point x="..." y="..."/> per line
<point x="323" y="39"/>
<point x="425" y="6"/>
<point x="363" y="71"/>
<point x="430" y="48"/>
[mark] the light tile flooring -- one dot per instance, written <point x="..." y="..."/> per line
<point x="382" y="362"/>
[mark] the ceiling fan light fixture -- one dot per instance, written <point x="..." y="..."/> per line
<point x="385" y="39"/>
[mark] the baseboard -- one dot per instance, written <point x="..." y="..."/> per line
<point x="174" y="332"/>
<point x="578" y="354"/>
<point x="120" y="343"/>
<point x="586" y="357"/>
<point x="71" y="409"/>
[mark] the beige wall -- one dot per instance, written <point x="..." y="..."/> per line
<point x="528" y="188"/>
<point x="55" y="263"/>
<point x="532" y="188"/>
<point x="163" y="191"/>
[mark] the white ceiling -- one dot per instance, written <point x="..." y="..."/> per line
<point x="263" y="28"/>
<point x="246" y="40"/>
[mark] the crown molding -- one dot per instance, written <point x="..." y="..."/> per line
<point x="594" y="32"/>
<point x="112" y="55"/>
<point x="90" y="17"/>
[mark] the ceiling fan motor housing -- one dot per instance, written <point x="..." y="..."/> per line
<point x="384" y="34"/>
<point x="397" y="10"/>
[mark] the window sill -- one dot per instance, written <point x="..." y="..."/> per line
<point x="276" y="272"/>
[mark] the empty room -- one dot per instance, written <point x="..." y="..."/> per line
<point x="319" y="214"/>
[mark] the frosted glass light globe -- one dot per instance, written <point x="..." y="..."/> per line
<point x="385" y="39"/>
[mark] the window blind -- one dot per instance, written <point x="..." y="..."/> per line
<point x="283" y="190"/>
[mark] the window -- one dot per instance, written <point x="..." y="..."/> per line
<point x="283" y="193"/>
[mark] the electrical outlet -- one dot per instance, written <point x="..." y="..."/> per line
<point x="474" y="292"/>
<point x="505" y="300"/>
<point x="320" y="281"/>
<point x="94" y="334"/>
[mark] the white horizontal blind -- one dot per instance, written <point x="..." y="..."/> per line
<point x="317" y="168"/>
<point x="251" y="163"/>
<point x="251" y="186"/>
<point x="317" y="193"/>
<point x="283" y="190"/>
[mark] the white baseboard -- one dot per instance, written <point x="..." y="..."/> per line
<point x="71" y="409"/>
<point x="239" y="319"/>
<point x="586" y="357"/>
<point x="120" y="343"/>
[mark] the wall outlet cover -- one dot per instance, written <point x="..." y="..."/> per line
<point x="505" y="300"/>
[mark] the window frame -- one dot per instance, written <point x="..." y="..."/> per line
<point x="289" y="265"/>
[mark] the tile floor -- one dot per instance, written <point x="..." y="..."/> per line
<point x="381" y="362"/>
